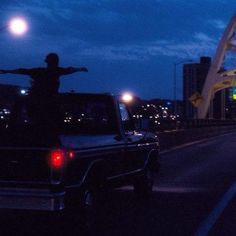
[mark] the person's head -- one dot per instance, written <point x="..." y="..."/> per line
<point x="52" y="60"/>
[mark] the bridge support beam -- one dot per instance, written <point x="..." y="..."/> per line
<point x="217" y="80"/>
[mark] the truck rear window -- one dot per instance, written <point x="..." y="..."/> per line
<point x="87" y="117"/>
<point x="71" y="115"/>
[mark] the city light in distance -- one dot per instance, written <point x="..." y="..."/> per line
<point x="18" y="26"/>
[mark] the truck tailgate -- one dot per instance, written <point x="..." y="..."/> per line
<point x="24" y="165"/>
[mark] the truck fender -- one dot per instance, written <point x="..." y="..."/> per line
<point x="96" y="174"/>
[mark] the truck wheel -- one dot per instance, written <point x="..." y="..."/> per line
<point x="143" y="185"/>
<point x="92" y="196"/>
<point x="89" y="199"/>
<point x="90" y="207"/>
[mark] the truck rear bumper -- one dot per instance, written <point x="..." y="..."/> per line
<point x="31" y="199"/>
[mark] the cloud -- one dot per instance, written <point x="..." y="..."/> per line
<point x="201" y="44"/>
<point x="119" y="30"/>
<point x="217" y="23"/>
<point x="202" y="37"/>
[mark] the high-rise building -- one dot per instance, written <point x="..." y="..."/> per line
<point x="194" y="75"/>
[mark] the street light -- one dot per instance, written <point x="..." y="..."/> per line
<point x="174" y="87"/>
<point x="127" y="97"/>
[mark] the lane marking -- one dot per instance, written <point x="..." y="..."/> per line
<point x="168" y="189"/>
<point x="210" y="221"/>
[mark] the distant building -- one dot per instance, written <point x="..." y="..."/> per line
<point x="194" y="76"/>
<point x="8" y="94"/>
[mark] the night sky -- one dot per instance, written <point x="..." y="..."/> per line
<point x="127" y="45"/>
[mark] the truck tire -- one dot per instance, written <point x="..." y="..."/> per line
<point x="90" y="207"/>
<point x="93" y="195"/>
<point x="143" y="185"/>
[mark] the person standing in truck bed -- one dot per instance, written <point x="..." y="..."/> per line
<point x="42" y="107"/>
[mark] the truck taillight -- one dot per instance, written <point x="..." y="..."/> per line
<point x="57" y="159"/>
<point x="71" y="155"/>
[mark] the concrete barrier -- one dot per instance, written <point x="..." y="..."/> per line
<point x="169" y="139"/>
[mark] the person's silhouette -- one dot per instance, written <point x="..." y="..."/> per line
<point x="45" y="81"/>
<point x="42" y="105"/>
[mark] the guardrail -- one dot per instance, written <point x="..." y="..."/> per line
<point x="163" y="125"/>
<point x="169" y="139"/>
<point x="174" y="133"/>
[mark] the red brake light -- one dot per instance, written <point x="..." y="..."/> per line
<point x="57" y="159"/>
<point x="71" y="154"/>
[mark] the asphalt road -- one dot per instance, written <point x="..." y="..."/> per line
<point x="194" y="194"/>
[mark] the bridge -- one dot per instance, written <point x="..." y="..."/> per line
<point x="218" y="77"/>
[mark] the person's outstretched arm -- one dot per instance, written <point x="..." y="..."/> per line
<point x="71" y="70"/>
<point x="78" y="69"/>
<point x="20" y="71"/>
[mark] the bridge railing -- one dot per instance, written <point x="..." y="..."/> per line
<point x="175" y="133"/>
<point x="168" y="125"/>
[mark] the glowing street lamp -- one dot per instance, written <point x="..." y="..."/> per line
<point x="127" y="97"/>
<point x="18" y="26"/>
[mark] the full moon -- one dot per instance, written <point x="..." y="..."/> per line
<point x="18" y="26"/>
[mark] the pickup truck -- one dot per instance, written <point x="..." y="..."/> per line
<point x="95" y="146"/>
